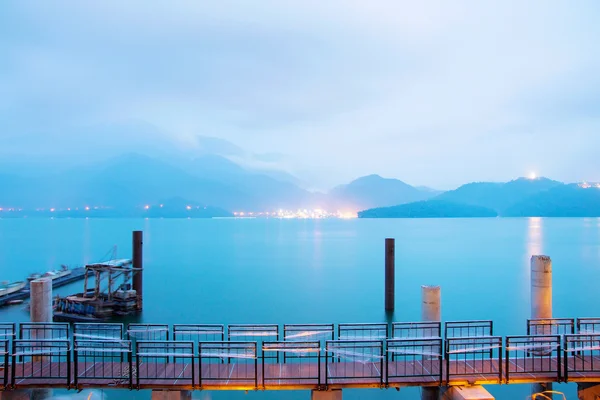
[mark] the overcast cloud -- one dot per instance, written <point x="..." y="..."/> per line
<point x="435" y="93"/>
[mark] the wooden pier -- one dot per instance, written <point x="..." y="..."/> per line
<point x="305" y="357"/>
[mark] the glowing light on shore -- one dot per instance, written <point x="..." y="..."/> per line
<point x="188" y="207"/>
<point x="146" y="207"/>
<point x="87" y="208"/>
<point x="532" y="175"/>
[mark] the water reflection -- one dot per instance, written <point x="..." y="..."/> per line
<point x="534" y="237"/>
<point x="533" y="247"/>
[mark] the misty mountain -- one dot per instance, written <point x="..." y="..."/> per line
<point x="498" y="196"/>
<point x="429" y="209"/>
<point x="374" y="191"/>
<point x="560" y="201"/>
<point x="135" y="180"/>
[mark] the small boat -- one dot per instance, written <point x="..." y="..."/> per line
<point x="55" y="274"/>
<point x="10" y="288"/>
<point x="33" y="277"/>
<point x="14" y="302"/>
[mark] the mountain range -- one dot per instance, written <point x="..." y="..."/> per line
<point x="214" y="185"/>
<point x="134" y="181"/>
<point x="522" y="197"/>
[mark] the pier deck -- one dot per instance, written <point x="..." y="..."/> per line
<point x="55" y="355"/>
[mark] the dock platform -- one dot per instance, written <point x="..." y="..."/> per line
<point x="305" y="357"/>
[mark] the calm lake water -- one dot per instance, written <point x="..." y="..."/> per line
<point x="312" y="271"/>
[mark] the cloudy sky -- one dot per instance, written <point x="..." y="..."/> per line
<point x="432" y="92"/>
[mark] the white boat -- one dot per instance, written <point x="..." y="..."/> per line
<point x="55" y="274"/>
<point x="10" y="288"/>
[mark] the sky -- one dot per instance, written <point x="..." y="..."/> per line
<point x="435" y="93"/>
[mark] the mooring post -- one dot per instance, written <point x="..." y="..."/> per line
<point x="41" y="300"/>
<point x="390" y="265"/>
<point x="541" y="303"/>
<point x="431" y="311"/>
<point x="138" y="266"/>
<point x="40" y="310"/>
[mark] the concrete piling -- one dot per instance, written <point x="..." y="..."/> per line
<point x="334" y="394"/>
<point x="541" y="287"/>
<point x="138" y="265"/>
<point x="431" y="303"/>
<point x="390" y="266"/>
<point x="40" y="309"/>
<point x="541" y="302"/>
<point x="431" y="311"/>
<point x="41" y="300"/>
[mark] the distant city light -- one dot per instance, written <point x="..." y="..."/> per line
<point x="532" y="175"/>
<point x="146" y="207"/>
<point x="52" y="210"/>
<point x="189" y="207"/>
<point x="87" y="208"/>
<point x="161" y="206"/>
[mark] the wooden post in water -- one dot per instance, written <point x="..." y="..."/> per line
<point x="431" y="311"/>
<point x="138" y="266"/>
<point x="541" y="303"/>
<point x="390" y="266"/>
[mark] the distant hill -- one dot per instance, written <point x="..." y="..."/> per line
<point x="133" y="180"/>
<point x="498" y="196"/>
<point x="429" y="209"/>
<point x="561" y="201"/>
<point x="375" y="191"/>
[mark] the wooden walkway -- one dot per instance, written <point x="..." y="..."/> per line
<point x="259" y="357"/>
<point x="298" y="375"/>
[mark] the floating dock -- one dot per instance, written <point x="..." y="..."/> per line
<point x="76" y="274"/>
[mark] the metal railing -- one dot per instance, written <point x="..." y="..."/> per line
<point x="461" y="329"/>
<point x="228" y="363"/>
<point x="370" y="331"/>
<point x="259" y="333"/>
<point x="147" y="332"/>
<point x="164" y="363"/>
<point x="527" y="355"/>
<point x="4" y="352"/>
<point x="354" y="361"/>
<point x="588" y="325"/>
<point x="199" y="333"/>
<point x="98" y="362"/>
<point x="44" y="330"/>
<point x="551" y="326"/>
<point x="474" y="356"/>
<point x="302" y="365"/>
<point x="581" y="354"/>
<point x="406" y="330"/>
<point x="42" y="362"/>
<point x="93" y="331"/>
<point x="413" y="360"/>
<point x="7" y="334"/>
<point x="100" y="358"/>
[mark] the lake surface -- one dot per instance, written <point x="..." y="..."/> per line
<point x="322" y="271"/>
